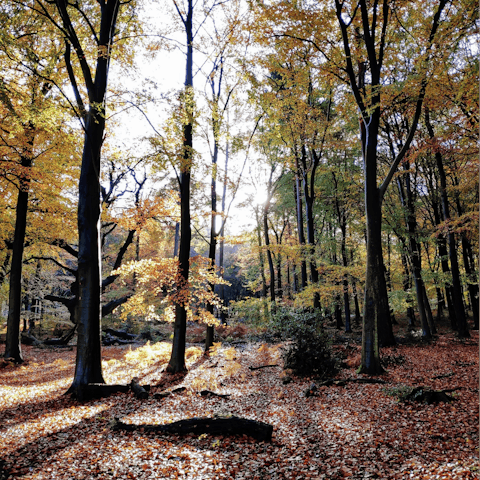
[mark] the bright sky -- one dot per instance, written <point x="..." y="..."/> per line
<point x="163" y="73"/>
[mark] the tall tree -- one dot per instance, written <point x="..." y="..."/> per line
<point x="177" y="359"/>
<point x="26" y="82"/>
<point x="365" y="28"/>
<point x="89" y="29"/>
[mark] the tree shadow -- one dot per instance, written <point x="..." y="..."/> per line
<point x="37" y="453"/>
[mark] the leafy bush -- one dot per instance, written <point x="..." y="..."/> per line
<point x="309" y="352"/>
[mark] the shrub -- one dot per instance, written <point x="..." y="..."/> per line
<point x="309" y="351"/>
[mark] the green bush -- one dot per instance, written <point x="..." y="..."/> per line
<point x="252" y="311"/>
<point x="309" y="351"/>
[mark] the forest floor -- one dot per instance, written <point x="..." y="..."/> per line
<point x="357" y="431"/>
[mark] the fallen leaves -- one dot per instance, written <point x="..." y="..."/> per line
<point x="353" y="430"/>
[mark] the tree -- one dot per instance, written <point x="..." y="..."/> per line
<point x="27" y="122"/>
<point x="371" y="25"/>
<point x="177" y="359"/>
<point x="90" y="31"/>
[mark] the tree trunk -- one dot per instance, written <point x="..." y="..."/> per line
<point x="407" y="284"/>
<point x="311" y="239"/>
<point x="12" y="341"/>
<point x="210" y="333"/>
<point x="88" y="368"/>
<point x="376" y="304"/>
<point x="443" y="254"/>
<point x="301" y="234"/>
<point x="470" y="269"/>
<point x="223" y="316"/>
<point x="342" y="220"/>
<point x="456" y="283"/>
<point x="269" y="254"/>
<point x="406" y="198"/>
<point x="177" y="359"/>
<point x="377" y="324"/>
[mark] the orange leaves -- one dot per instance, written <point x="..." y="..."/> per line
<point x="137" y="216"/>
<point x="160" y="287"/>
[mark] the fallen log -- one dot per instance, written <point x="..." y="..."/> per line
<point x="62" y="341"/>
<point x="120" y="334"/>
<point x="425" y="395"/>
<point x="29" y="339"/>
<point x="166" y="394"/>
<point x="230" y="425"/>
<point x="108" y="340"/>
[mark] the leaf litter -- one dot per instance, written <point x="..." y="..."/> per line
<point x="357" y="430"/>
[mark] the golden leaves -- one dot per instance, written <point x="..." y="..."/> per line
<point x="160" y="287"/>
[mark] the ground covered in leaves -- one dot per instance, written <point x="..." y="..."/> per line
<point x="356" y="430"/>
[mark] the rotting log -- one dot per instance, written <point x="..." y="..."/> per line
<point x="166" y="394"/>
<point x="425" y="395"/>
<point x="120" y="334"/>
<point x="229" y="425"/>
<point x="62" y="341"/>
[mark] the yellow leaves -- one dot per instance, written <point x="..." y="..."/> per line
<point x="160" y="287"/>
<point x="193" y="353"/>
<point x="204" y="382"/>
<point x="149" y="354"/>
<point x="214" y="349"/>
<point x="230" y="354"/>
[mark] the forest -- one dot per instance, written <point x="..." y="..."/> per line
<point x="239" y="239"/>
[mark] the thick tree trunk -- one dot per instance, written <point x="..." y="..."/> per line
<point x="377" y="324"/>
<point x="376" y="309"/>
<point x="177" y="359"/>
<point x="88" y="367"/>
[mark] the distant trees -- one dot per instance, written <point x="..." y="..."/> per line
<point x="363" y="58"/>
